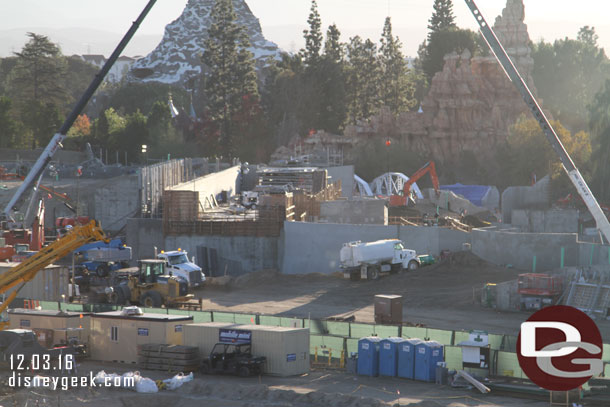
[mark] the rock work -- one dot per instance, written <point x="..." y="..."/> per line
<point x="177" y="58"/>
<point x="471" y="103"/>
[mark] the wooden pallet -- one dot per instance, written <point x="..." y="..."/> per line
<point x="173" y="358"/>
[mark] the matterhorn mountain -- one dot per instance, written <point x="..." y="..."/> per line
<point x="178" y="57"/>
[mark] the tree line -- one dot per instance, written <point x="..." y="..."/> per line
<point x="327" y="85"/>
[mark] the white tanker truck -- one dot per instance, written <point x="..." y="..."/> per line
<point x="367" y="260"/>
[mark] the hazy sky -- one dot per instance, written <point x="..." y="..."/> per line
<point x="283" y="20"/>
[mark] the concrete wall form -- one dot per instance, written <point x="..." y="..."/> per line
<point x="534" y="197"/>
<point x="549" y="221"/>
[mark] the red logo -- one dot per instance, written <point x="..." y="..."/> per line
<point x="560" y="348"/>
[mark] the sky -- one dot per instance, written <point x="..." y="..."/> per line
<point x="92" y="26"/>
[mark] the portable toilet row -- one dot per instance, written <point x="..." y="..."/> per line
<point x="407" y="358"/>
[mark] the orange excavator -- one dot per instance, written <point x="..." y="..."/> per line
<point x="402" y="200"/>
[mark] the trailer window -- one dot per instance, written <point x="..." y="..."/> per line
<point x="114" y="333"/>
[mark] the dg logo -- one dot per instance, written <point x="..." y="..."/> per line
<point x="560" y="348"/>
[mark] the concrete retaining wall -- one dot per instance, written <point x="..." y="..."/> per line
<point x="213" y="184"/>
<point x="536" y="196"/>
<point x="115" y="200"/>
<point x="356" y="211"/>
<point x="143" y="235"/>
<point x="551" y="221"/>
<point x="314" y="247"/>
<point x="346" y="175"/>
<point x="234" y="254"/>
<point x="519" y="249"/>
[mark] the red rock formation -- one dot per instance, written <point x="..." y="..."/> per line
<point x="471" y="103"/>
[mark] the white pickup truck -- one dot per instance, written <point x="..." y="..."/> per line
<point x="179" y="265"/>
<point x="367" y="260"/>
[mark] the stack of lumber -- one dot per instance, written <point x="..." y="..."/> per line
<point x="171" y="358"/>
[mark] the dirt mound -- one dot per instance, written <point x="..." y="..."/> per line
<point x="262" y="395"/>
<point x="467" y="259"/>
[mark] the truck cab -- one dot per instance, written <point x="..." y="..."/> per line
<point x="179" y="265"/>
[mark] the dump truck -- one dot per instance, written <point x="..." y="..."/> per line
<point x="178" y="264"/>
<point x="367" y="260"/>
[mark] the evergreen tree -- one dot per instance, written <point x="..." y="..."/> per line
<point x="442" y="17"/>
<point x="333" y="48"/>
<point x="8" y="126"/>
<point x="331" y="82"/>
<point x="36" y="83"/>
<point x="396" y="88"/>
<point x="230" y="75"/>
<point x="362" y="79"/>
<point x="313" y="37"/>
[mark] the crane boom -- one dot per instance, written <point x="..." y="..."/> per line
<point x="40" y="165"/>
<point x="511" y="71"/>
<point x="27" y="270"/>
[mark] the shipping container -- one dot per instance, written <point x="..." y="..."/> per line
<point x="45" y="322"/>
<point x="368" y="356"/>
<point x="115" y="337"/>
<point x="388" y="356"/>
<point x="286" y="349"/>
<point x="406" y="358"/>
<point x="427" y="355"/>
<point x="49" y="284"/>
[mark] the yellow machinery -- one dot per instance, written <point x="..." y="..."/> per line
<point x="151" y="286"/>
<point x="26" y="271"/>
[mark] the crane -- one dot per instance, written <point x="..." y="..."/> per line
<point x="35" y="175"/>
<point x="27" y="270"/>
<point x="568" y="165"/>
<point x="429" y="167"/>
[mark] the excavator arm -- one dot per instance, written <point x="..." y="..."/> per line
<point x="27" y="270"/>
<point x="429" y="167"/>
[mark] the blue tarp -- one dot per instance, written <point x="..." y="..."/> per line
<point x="474" y="193"/>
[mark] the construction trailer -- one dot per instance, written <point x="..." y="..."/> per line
<point x="50" y="284"/>
<point x="115" y="336"/>
<point x="286" y="349"/>
<point x="52" y="327"/>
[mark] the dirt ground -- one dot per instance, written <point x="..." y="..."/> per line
<point x="439" y="296"/>
<point x="315" y="389"/>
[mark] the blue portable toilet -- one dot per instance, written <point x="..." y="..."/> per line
<point x="406" y="358"/>
<point x="388" y="356"/>
<point x="368" y="356"/>
<point x="427" y="354"/>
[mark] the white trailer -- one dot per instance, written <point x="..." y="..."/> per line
<point x="367" y="260"/>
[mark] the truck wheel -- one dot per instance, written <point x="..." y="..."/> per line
<point x="117" y="297"/>
<point x="372" y="273"/>
<point x="102" y="270"/>
<point x="205" y="368"/>
<point x="151" y="299"/>
<point x="413" y="265"/>
<point x="244" y="371"/>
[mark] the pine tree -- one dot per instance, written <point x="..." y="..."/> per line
<point x="36" y="85"/>
<point x="229" y="72"/>
<point x="313" y="37"/>
<point x="333" y="48"/>
<point x="442" y="17"/>
<point x="363" y="79"/>
<point x="396" y="89"/>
